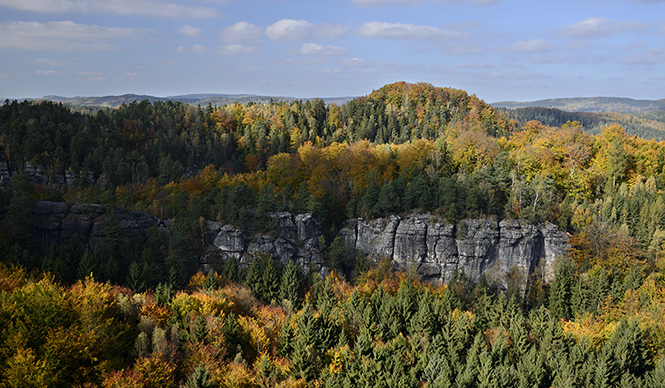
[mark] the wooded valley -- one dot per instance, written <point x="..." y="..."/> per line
<point x="81" y="315"/>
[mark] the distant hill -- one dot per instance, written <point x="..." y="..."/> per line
<point x="194" y="99"/>
<point x="648" y="125"/>
<point x="589" y="104"/>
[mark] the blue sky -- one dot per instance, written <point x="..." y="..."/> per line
<point x="496" y="49"/>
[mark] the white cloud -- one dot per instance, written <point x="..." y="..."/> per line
<point x="195" y="49"/>
<point x="237" y="49"/>
<point x="532" y="46"/>
<point x="356" y="62"/>
<point x="190" y="31"/>
<point x="303" y="61"/>
<point x="3" y="76"/>
<point x="120" y="7"/>
<point x="47" y="72"/>
<point x="468" y="65"/>
<point x="51" y="62"/>
<point x="599" y="27"/>
<point x="93" y="76"/>
<point x="62" y="36"/>
<point x="650" y="57"/>
<point x="242" y="33"/>
<point x="381" y="3"/>
<point x="464" y="48"/>
<point x="405" y="31"/>
<point x="317" y="49"/>
<point x="294" y="30"/>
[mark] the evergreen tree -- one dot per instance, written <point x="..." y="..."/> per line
<point x="200" y="378"/>
<point x="290" y="287"/>
<point x="270" y="279"/>
<point x="560" y="291"/>
<point x="135" y="277"/>
<point x="305" y="354"/>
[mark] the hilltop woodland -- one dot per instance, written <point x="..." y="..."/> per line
<point x="88" y="317"/>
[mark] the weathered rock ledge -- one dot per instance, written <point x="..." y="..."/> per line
<point x="431" y="245"/>
<point x="437" y="248"/>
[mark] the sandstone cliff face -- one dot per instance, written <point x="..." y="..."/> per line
<point x="293" y="238"/>
<point x="90" y="224"/>
<point x="436" y="249"/>
<point x="431" y="245"/>
<point x="40" y="175"/>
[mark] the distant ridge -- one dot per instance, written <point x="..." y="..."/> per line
<point x="194" y="99"/>
<point x="589" y="104"/>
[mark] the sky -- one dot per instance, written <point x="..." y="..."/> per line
<point x="496" y="49"/>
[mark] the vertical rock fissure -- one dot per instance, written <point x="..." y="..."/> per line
<point x="393" y="236"/>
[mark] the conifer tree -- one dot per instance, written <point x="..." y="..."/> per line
<point x="560" y="291"/>
<point x="200" y="378"/>
<point x="305" y="354"/>
<point x="290" y="287"/>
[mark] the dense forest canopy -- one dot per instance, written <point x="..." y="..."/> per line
<point x="403" y="148"/>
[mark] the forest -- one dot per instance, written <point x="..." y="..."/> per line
<point x="79" y="316"/>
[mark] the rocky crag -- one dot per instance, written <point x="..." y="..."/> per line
<point x="292" y="238"/>
<point x="424" y="242"/>
<point x="436" y="248"/>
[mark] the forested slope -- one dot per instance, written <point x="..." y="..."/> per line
<point x="403" y="148"/>
<point x="648" y="125"/>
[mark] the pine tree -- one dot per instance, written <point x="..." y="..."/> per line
<point x="210" y="282"/>
<point x="135" y="277"/>
<point x="560" y="292"/>
<point x="305" y="354"/>
<point x="633" y="279"/>
<point x="200" y="378"/>
<point x="657" y="377"/>
<point x="290" y="287"/>
<point x="630" y="349"/>
<point x="270" y="279"/>
<point x="329" y="327"/>
<point x="606" y="372"/>
<point x="486" y="376"/>
<point x="231" y="271"/>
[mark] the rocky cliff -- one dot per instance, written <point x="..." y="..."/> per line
<point x="91" y="225"/>
<point x="436" y="248"/>
<point x="292" y="238"/>
<point x="40" y="175"/>
<point x="431" y="245"/>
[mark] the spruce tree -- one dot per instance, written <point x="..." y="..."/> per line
<point x="200" y="378"/>
<point x="290" y="287"/>
<point x="270" y="279"/>
<point x="560" y="291"/>
<point x="305" y="354"/>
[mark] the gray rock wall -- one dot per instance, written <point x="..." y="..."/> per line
<point x="294" y="238"/>
<point x="431" y="245"/>
<point x="57" y="222"/>
<point x="436" y="248"/>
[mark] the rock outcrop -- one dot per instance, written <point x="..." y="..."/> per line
<point x="91" y="225"/>
<point x="41" y="175"/>
<point x="436" y="248"/>
<point x="427" y="243"/>
<point x="293" y="238"/>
